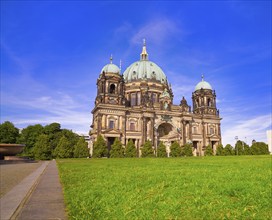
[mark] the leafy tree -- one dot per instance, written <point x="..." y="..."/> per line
<point x="239" y="148"/>
<point x="220" y="150"/>
<point x="130" y="150"/>
<point x="186" y="150"/>
<point x="175" y="149"/>
<point x="29" y="136"/>
<point x="63" y="149"/>
<point x="161" y="150"/>
<point x="81" y="149"/>
<point x="147" y="150"/>
<point x="42" y="149"/>
<point x="247" y="150"/>
<point x="52" y="128"/>
<point x="209" y="151"/>
<point x="117" y="150"/>
<point x="228" y="150"/>
<point x="100" y="148"/>
<point x="8" y="133"/>
<point x="259" y="148"/>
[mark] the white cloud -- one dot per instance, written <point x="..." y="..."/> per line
<point x="246" y="129"/>
<point x="157" y="31"/>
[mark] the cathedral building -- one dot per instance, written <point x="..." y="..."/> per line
<point x="138" y="105"/>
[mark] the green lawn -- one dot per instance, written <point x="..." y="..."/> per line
<point x="170" y="188"/>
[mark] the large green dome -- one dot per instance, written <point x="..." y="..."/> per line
<point x="144" y="69"/>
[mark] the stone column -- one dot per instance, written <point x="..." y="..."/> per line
<point x="184" y="131"/>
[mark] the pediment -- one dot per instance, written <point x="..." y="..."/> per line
<point x="111" y="131"/>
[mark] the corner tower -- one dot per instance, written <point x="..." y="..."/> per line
<point x="110" y="85"/>
<point x="204" y="99"/>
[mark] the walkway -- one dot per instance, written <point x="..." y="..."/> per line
<point x="37" y="197"/>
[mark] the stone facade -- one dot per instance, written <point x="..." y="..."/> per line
<point x="138" y="105"/>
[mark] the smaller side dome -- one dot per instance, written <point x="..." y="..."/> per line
<point x="203" y="85"/>
<point x="110" y="68"/>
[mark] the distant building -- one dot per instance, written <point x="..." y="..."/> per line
<point x="138" y="105"/>
<point x="269" y="140"/>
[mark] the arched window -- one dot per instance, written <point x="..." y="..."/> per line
<point x="209" y="102"/>
<point x="112" y="88"/>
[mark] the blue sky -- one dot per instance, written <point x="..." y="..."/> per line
<point x="53" y="51"/>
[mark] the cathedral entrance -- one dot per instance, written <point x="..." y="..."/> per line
<point x="166" y="133"/>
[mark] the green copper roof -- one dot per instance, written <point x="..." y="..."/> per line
<point x="203" y="85"/>
<point x="110" y="68"/>
<point x="144" y="69"/>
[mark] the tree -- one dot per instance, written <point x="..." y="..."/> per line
<point x="228" y="150"/>
<point x="81" y="148"/>
<point x="8" y="133"/>
<point x="42" y="149"/>
<point x="259" y="148"/>
<point x="161" y="150"/>
<point x="117" y="150"/>
<point x="186" y="150"/>
<point x="63" y="149"/>
<point x="239" y="148"/>
<point x="209" y="151"/>
<point x="29" y="136"/>
<point x="52" y="128"/>
<point x="147" y="149"/>
<point x="175" y="149"/>
<point x="100" y="148"/>
<point x="130" y="150"/>
<point x="220" y="150"/>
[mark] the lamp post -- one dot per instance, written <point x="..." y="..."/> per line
<point x="236" y="138"/>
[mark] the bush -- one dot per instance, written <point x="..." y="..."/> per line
<point x="208" y="151"/>
<point x="100" y="148"/>
<point x="130" y="150"/>
<point x="186" y="150"/>
<point x="220" y="150"/>
<point x="228" y="150"/>
<point x="81" y="149"/>
<point x="63" y="149"/>
<point x="175" y="150"/>
<point x="147" y="150"/>
<point x="117" y="150"/>
<point x="161" y="150"/>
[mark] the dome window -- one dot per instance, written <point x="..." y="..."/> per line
<point x="112" y="89"/>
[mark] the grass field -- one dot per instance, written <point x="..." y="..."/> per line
<point x="170" y="188"/>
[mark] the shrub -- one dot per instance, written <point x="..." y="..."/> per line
<point x="117" y="150"/>
<point x="147" y="149"/>
<point x="175" y="150"/>
<point x="186" y="150"/>
<point x="100" y="148"/>
<point x="209" y="151"/>
<point x="81" y="149"/>
<point x="130" y="150"/>
<point x="161" y="150"/>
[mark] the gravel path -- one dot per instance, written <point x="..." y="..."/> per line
<point x="12" y="174"/>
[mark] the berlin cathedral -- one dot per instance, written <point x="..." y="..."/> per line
<point x="138" y="105"/>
